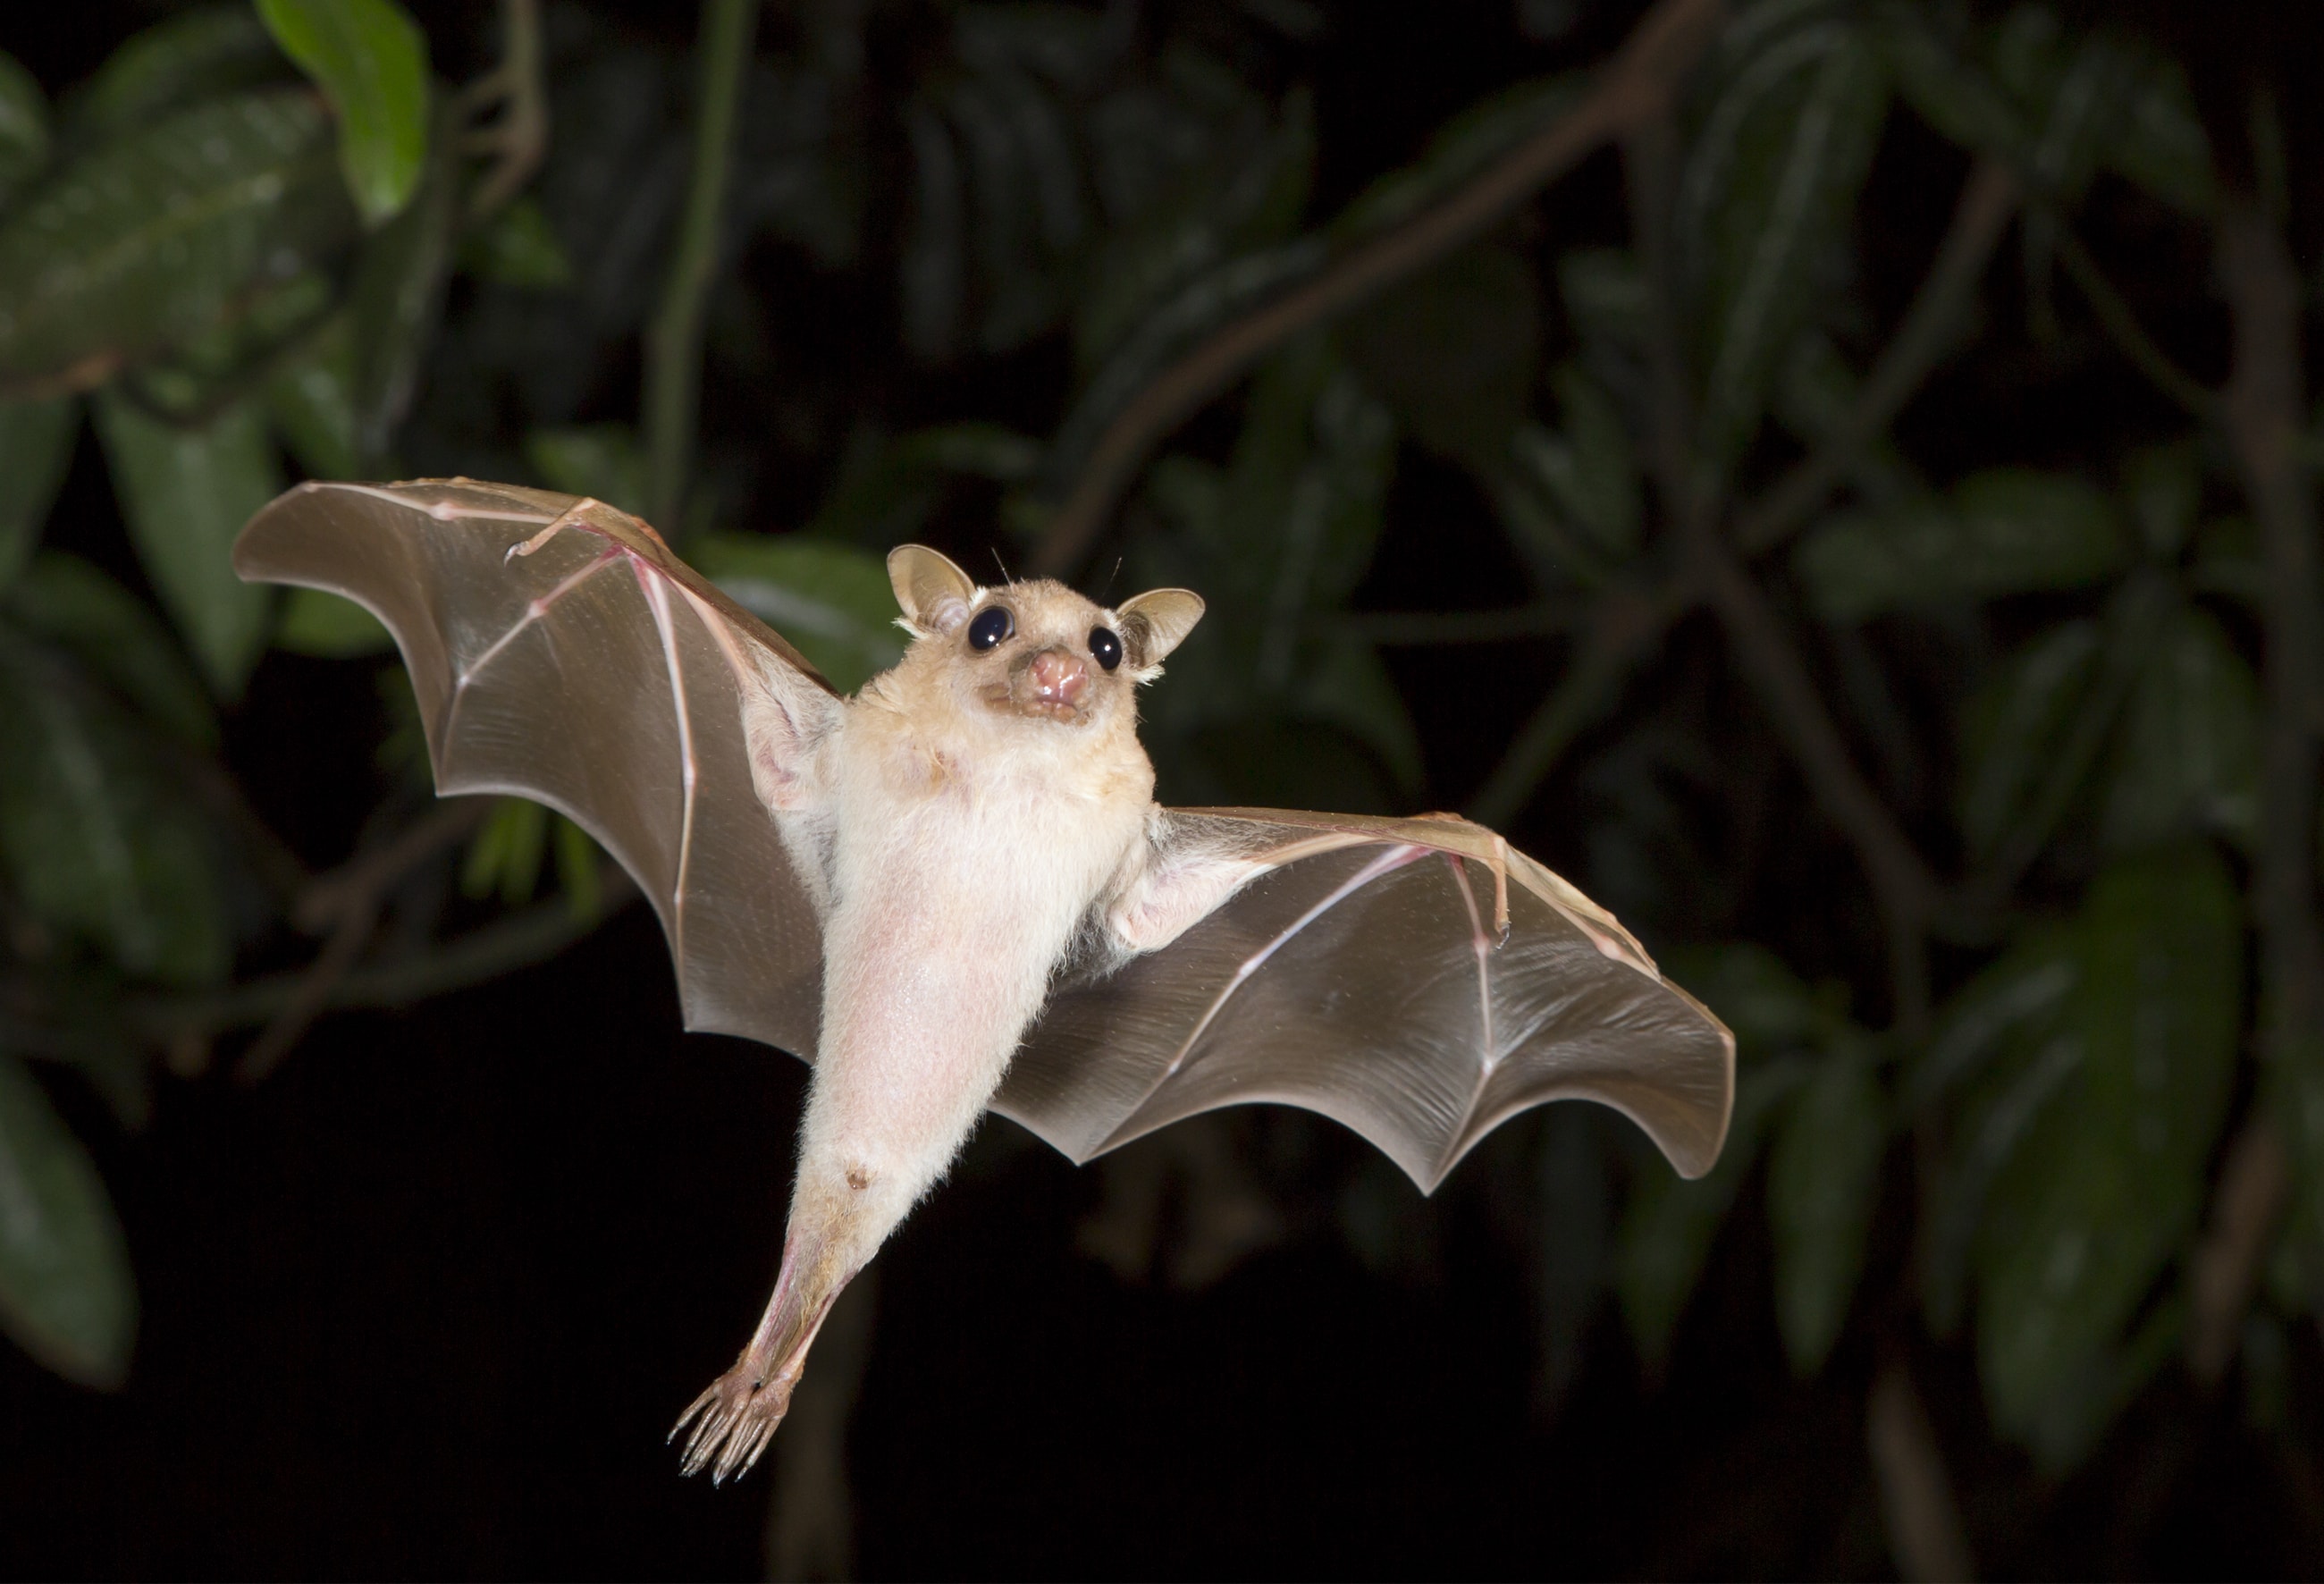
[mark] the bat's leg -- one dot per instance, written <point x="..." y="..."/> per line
<point x="737" y="1415"/>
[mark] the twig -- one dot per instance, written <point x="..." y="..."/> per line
<point x="1916" y="1496"/>
<point x="2261" y="410"/>
<point x="2253" y="1184"/>
<point x="1906" y="892"/>
<point x="516" y="941"/>
<point x="519" y="139"/>
<point x="1638" y="84"/>
<point x="1924" y="336"/>
<point x="1626" y="624"/>
<point x="347" y="902"/>
<point x="2116" y="318"/>
<point x="361" y="882"/>
<point x="673" y="392"/>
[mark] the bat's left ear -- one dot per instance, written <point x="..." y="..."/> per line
<point x="935" y="595"/>
<point x="1157" y="621"/>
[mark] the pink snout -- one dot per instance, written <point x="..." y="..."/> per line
<point x="1058" y="678"/>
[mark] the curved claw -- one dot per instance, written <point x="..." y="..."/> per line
<point x="734" y="1420"/>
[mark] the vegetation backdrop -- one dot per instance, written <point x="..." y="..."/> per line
<point x="1834" y="477"/>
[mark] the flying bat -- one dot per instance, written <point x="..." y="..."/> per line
<point x="953" y="892"/>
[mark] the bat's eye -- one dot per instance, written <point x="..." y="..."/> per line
<point x="1105" y="648"/>
<point x="991" y="625"/>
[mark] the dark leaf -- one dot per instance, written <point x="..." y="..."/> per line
<point x="1461" y="149"/>
<point x="2092" y="1207"/>
<point x="36" y="447"/>
<point x="2188" y="757"/>
<point x="1944" y="86"/>
<point x="72" y="604"/>
<point x="187" y="493"/>
<point x="519" y="248"/>
<point x="98" y="838"/>
<point x="370" y="58"/>
<point x="1770" y="183"/>
<point x="395" y="302"/>
<point x="67" y="1294"/>
<point x="310" y="400"/>
<point x="23" y="127"/>
<point x="2006" y="530"/>
<point x="151" y="241"/>
<point x="1823" y="1180"/>
<point x="1770" y="1010"/>
<point x="602" y="461"/>
<point x="205" y="52"/>
<point x="2013" y="726"/>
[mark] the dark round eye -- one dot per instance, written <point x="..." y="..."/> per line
<point x="1105" y="648"/>
<point x="990" y="625"/>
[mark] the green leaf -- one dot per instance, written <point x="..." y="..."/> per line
<point x="1824" y="1181"/>
<point x="1461" y="149"/>
<point x="2188" y="757"/>
<point x="395" y="303"/>
<point x="2006" y="530"/>
<point x="832" y="602"/>
<point x="370" y="58"/>
<point x="329" y="627"/>
<point x="2158" y="142"/>
<point x="312" y="402"/>
<point x="505" y="855"/>
<point x="1763" y="203"/>
<point x="202" y="53"/>
<point x="519" y="248"/>
<point x="1944" y="86"/>
<point x="2013" y="725"/>
<point x="1607" y="296"/>
<point x="2164" y="487"/>
<point x="1590" y="472"/>
<point x="1451" y="352"/>
<point x="67" y="1293"/>
<point x="1669" y="1224"/>
<point x="99" y="840"/>
<point x="106" y="627"/>
<point x="36" y="447"/>
<point x="2010" y="1041"/>
<point x="602" y="461"/>
<point x="153" y="240"/>
<point x="187" y="493"/>
<point x="2087" y="1214"/>
<point x="23" y="127"/>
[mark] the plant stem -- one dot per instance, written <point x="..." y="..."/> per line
<point x="673" y="394"/>
<point x="2262" y="411"/>
<point x="2119" y="322"/>
<point x="1638" y="85"/>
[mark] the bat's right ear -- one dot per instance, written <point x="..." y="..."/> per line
<point x="935" y="595"/>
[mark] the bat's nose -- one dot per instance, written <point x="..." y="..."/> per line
<point x="1060" y="677"/>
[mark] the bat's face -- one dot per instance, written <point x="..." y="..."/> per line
<point x="1035" y="652"/>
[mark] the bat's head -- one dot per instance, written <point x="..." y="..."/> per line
<point x="1035" y="652"/>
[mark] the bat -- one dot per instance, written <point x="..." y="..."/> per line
<point x="954" y="891"/>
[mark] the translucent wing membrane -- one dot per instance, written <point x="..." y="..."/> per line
<point x="560" y="652"/>
<point x="1367" y="977"/>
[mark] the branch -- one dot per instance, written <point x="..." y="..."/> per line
<point x="2262" y="411"/>
<point x="1906" y="892"/>
<point x="2116" y="318"/>
<point x="1636" y="86"/>
<point x="519" y="139"/>
<point x="2253" y="1184"/>
<point x="673" y="393"/>
<point x="517" y="941"/>
<point x="1926" y="335"/>
<point x="1925" y="1537"/>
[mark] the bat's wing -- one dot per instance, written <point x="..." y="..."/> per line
<point x="560" y="652"/>
<point x="1416" y="979"/>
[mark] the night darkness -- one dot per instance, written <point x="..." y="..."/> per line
<point x="425" y="1302"/>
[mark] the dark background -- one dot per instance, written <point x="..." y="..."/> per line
<point x="425" y="1302"/>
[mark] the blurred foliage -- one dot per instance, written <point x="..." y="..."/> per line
<point x="250" y="247"/>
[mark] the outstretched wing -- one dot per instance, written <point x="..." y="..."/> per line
<point x="1416" y="979"/>
<point x="560" y="652"/>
